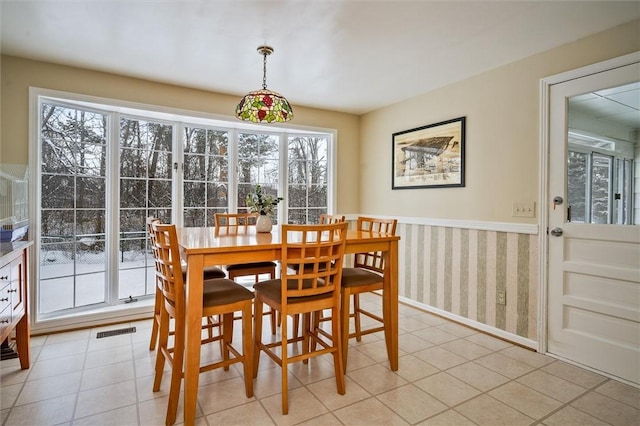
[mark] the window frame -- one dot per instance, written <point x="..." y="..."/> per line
<point x="179" y="118"/>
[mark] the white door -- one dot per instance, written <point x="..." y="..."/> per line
<point x="593" y="263"/>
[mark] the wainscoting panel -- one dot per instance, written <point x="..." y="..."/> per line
<point x="461" y="271"/>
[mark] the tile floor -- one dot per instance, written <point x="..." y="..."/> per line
<point x="449" y="375"/>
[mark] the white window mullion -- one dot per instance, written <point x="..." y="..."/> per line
<point x="177" y="196"/>
<point x="233" y="171"/>
<point x="283" y="210"/>
<point x="112" y="208"/>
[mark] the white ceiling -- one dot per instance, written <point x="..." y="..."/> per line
<point x="344" y="55"/>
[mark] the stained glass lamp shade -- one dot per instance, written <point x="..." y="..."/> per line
<point x="264" y="106"/>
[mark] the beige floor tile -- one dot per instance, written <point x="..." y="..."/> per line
<point x="435" y="335"/>
<point x="466" y="349"/>
<point x="303" y="405"/>
<point x="526" y="400"/>
<point x="574" y="374"/>
<point x="457" y="329"/>
<point x="49" y="412"/>
<point x="145" y="366"/>
<point x="377" y="379"/>
<point x="376" y="351"/>
<point x="269" y="382"/>
<point x="316" y="369"/>
<point x="569" y="416"/>
<point x="108" y="356"/>
<point x="411" y="403"/>
<point x="621" y="392"/>
<point x="144" y="387"/>
<point x="326" y="391"/>
<point x="410" y="324"/>
<point x="489" y="342"/>
<point x="64" y="349"/>
<point x="505" y="365"/>
<point x="222" y="395"/>
<point x="485" y="410"/>
<point x="411" y="343"/>
<point x="56" y="366"/>
<point x="327" y="419"/>
<point x="477" y="376"/>
<point x="251" y="413"/>
<point x="440" y="358"/>
<point x="448" y="418"/>
<point x="153" y="412"/>
<point x="38" y="390"/>
<point x="65" y="337"/>
<point x="107" y="375"/>
<point x="368" y="412"/>
<point x="607" y="409"/>
<point x="527" y="356"/>
<point x="125" y="416"/>
<point x="106" y="398"/>
<point x="412" y="368"/>
<point x="12" y="376"/>
<point x="357" y="360"/>
<point x="96" y="344"/>
<point x="552" y="386"/>
<point x="3" y="415"/>
<point x="447" y="388"/>
<point x="9" y="394"/>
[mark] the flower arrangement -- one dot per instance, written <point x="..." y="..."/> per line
<point x="263" y="204"/>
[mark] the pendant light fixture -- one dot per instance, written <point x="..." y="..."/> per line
<point x="264" y="106"/>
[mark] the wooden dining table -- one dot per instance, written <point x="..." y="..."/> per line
<point x="201" y="246"/>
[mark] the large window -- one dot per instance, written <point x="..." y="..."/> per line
<point x="104" y="169"/>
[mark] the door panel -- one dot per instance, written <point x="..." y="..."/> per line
<point x="594" y="268"/>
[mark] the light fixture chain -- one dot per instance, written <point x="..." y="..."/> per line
<point x="264" y="70"/>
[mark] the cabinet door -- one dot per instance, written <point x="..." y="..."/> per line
<point x="17" y="287"/>
<point x="5" y="299"/>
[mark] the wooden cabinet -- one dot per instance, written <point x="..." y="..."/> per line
<point x="14" y="290"/>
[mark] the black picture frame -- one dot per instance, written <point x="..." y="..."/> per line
<point x="430" y="156"/>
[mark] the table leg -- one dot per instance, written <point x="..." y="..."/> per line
<point x="390" y="301"/>
<point x="195" y="266"/>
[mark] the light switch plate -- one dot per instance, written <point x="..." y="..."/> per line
<point x="524" y="209"/>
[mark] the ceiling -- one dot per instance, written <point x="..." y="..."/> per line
<point x="345" y="55"/>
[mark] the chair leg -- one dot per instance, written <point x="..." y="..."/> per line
<point x="285" y="370"/>
<point x="257" y="333"/>
<point x="338" y="361"/>
<point x="156" y="320"/>
<point x="344" y="324"/>
<point x="356" y="313"/>
<point x="163" y="342"/>
<point x="247" y="349"/>
<point x="176" y="372"/>
<point x="306" y="330"/>
<point x="227" y="336"/>
<point x="272" y="314"/>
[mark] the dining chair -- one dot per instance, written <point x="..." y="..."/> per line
<point x="221" y="297"/>
<point x="210" y="272"/>
<point x="313" y="286"/>
<point x="234" y="223"/>
<point x="367" y="274"/>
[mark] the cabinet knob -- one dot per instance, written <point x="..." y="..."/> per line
<point x="4" y="299"/>
<point x="5" y="321"/>
<point x="13" y="290"/>
<point x="4" y="277"/>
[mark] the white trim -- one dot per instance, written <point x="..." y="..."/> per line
<point x="96" y="317"/>
<point x="545" y="90"/>
<point x="522" y="341"/>
<point x="518" y="228"/>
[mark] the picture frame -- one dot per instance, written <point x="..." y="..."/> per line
<point x="430" y="156"/>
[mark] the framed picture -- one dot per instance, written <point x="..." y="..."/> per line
<point x="430" y="156"/>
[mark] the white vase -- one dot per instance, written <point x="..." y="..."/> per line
<point x="264" y="223"/>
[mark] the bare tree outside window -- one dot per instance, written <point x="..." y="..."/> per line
<point x="307" y="186"/>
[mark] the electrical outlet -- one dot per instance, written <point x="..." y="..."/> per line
<point x="501" y="297"/>
<point x="524" y="209"/>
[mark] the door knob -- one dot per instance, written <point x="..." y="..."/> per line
<point x="556" y="232"/>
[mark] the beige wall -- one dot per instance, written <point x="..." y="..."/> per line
<point x="18" y="74"/>
<point x="502" y="135"/>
